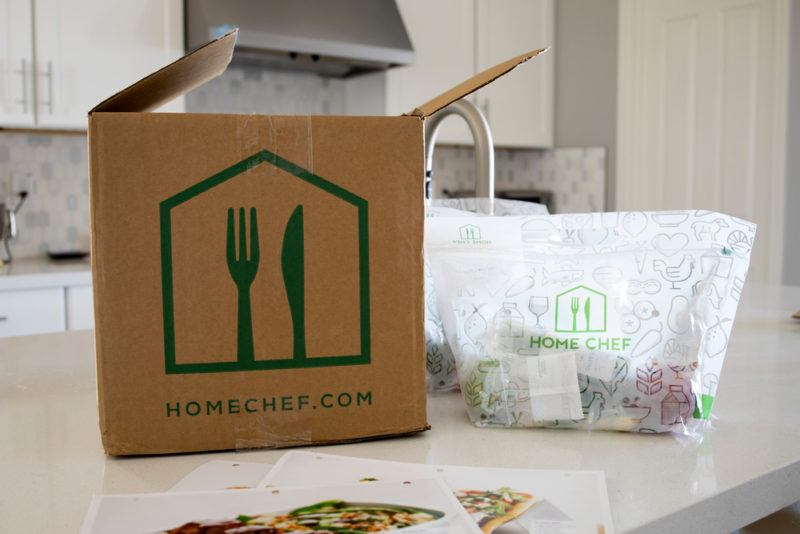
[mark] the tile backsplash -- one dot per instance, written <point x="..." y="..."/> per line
<point x="253" y="90"/>
<point x="56" y="214"/>
<point x="575" y="177"/>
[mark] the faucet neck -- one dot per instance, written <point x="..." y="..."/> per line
<point x="484" y="147"/>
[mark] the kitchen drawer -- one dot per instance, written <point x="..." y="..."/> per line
<point x="80" y="309"/>
<point x="31" y="311"/>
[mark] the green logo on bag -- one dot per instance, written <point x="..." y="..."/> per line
<point x="469" y="234"/>
<point x="238" y="269"/>
<point x="581" y="309"/>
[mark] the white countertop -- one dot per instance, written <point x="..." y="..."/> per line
<point x="31" y="273"/>
<point x="747" y="467"/>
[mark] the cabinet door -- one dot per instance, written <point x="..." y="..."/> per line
<point x="518" y="106"/>
<point x="16" y="63"/>
<point x="87" y="50"/>
<point x="31" y="311"/>
<point x="443" y="36"/>
<point x="80" y="308"/>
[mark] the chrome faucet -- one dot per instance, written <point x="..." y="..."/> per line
<point x="8" y="224"/>
<point x="484" y="147"/>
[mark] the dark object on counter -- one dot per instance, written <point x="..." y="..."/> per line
<point x="8" y="224"/>
<point x="66" y="255"/>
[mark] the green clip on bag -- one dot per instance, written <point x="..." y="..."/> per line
<point x="615" y="321"/>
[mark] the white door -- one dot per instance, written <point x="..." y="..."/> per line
<point x="87" y="50"/>
<point x="519" y="106"/>
<point x="443" y="36"/>
<point x="701" y="112"/>
<point x="16" y="63"/>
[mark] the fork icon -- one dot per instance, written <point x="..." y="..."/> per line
<point x="243" y="271"/>
<point x="575" y="305"/>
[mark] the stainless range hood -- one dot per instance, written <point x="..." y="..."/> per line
<point x="336" y="38"/>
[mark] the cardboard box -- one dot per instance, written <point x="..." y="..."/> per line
<point x="313" y="335"/>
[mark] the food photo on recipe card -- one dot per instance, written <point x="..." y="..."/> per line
<point x="421" y="505"/>
<point x="499" y="500"/>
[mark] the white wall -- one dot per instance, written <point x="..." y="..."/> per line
<point x="586" y="79"/>
<point x="791" y="254"/>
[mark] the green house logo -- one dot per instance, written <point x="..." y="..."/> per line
<point x="244" y="255"/>
<point x="469" y="233"/>
<point x="581" y="309"/>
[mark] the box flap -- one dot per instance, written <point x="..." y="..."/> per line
<point x="192" y="70"/>
<point x="471" y="85"/>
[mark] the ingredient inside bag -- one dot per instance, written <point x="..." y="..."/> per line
<point x="616" y="321"/>
<point x="440" y="363"/>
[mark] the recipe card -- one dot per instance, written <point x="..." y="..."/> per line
<point x="500" y="501"/>
<point x="222" y="474"/>
<point x="422" y="505"/>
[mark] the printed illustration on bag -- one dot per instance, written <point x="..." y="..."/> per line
<point x="255" y="268"/>
<point x="581" y="309"/>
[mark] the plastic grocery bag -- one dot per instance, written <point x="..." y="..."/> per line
<point x="439" y="359"/>
<point x="597" y="321"/>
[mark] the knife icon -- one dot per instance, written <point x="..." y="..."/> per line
<point x="587" y="313"/>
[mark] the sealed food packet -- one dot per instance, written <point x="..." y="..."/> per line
<point x="616" y="321"/>
<point x="439" y="360"/>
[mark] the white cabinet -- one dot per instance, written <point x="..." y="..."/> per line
<point x="16" y="64"/>
<point x="79" y="308"/>
<point x="38" y="296"/>
<point x="443" y="36"/>
<point x="85" y="51"/>
<point x="519" y="106"/>
<point x="31" y="311"/>
<point x="40" y="310"/>
<point x="454" y="39"/>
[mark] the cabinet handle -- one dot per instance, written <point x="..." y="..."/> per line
<point x="3" y="318"/>
<point x="24" y="73"/>
<point x="49" y="75"/>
